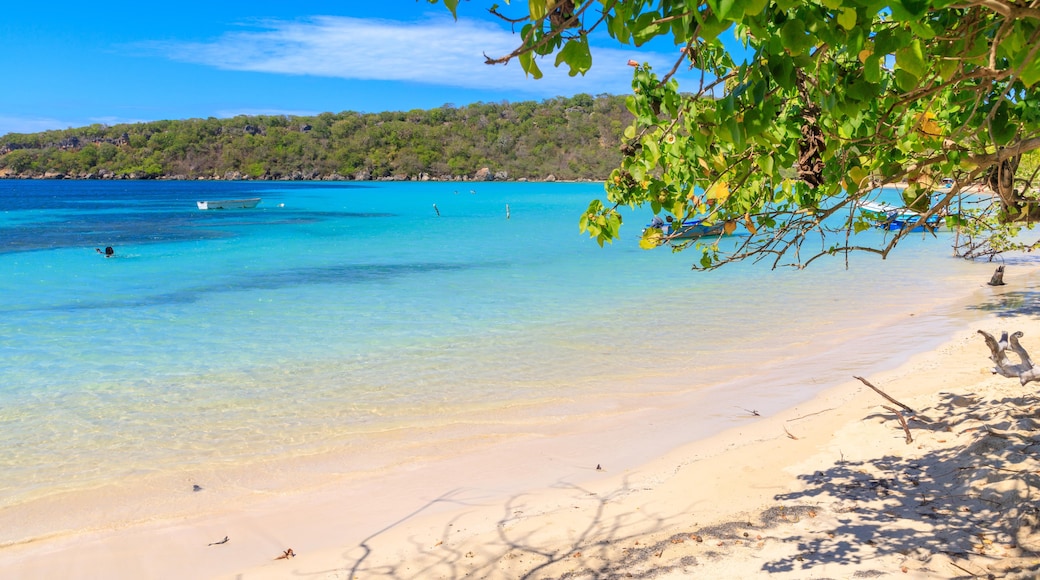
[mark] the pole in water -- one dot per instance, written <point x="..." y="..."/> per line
<point x="507" y="211"/>
<point x="436" y="210"/>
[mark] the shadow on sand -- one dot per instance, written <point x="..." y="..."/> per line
<point x="961" y="510"/>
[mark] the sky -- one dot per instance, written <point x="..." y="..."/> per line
<point x="73" y="63"/>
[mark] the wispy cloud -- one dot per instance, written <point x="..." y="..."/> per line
<point x="14" y="124"/>
<point x="438" y="51"/>
<point x="29" y="124"/>
<point x="114" y="120"/>
<point x="226" y="113"/>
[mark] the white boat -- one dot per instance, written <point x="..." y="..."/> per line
<point x="229" y="203"/>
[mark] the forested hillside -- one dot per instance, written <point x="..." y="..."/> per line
<point x="561" y="138"/>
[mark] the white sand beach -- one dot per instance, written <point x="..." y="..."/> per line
<point x="828" y="489"/>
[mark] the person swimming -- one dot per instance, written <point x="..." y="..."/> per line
<point x="109" y="252"/>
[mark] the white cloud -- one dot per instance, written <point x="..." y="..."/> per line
<point x="13" y="124"/>
<point x="114" y="120"/>
<point x="438" y="51"/>
<point x="228" y="113"/>
<point x="30" y="124"/>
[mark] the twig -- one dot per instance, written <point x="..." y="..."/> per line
<point x="902" y="421"/>
<point x="971" y="574"/>
<point x="789" y="433"/>
<point x="1008" y="436"/>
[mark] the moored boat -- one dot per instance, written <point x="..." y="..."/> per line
<point x="690" y="229"/>
<point x="229" y="203"/>
<point x="890" y="217"/>
<point x="876" y="210"/>
<point x="912" y="222"/>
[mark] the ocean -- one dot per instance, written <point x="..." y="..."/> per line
<point x="360" y="319"/>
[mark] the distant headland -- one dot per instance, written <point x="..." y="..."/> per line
<point x="567" y="139"/>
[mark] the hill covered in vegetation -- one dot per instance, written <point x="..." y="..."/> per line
<point x="561" y="138"/>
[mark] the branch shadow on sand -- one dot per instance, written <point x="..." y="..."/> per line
<point x="957" y="511"/>
<point x="1012" y="304"/>
<point x="962" y="503"/>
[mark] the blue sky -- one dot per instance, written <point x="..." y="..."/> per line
<point x="71" y="64"/>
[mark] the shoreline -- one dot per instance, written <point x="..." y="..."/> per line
<point x="439" y="528"/>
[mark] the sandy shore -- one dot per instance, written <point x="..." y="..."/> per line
<point x="828" y="489"/>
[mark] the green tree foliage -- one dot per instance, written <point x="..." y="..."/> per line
<point x="570" y="138"/>
<point x="835" y="98"/>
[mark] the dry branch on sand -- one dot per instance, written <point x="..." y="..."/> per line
<point x="899" y="415"/>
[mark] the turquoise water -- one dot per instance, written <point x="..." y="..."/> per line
<point x="336" y="312"/>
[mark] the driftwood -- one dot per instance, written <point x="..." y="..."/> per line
<point x="1023" y="370"/>
<point x="998" y="277"/>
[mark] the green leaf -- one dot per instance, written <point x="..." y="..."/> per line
<point x="538" y="8"/>
<point x="781" y="69"/>
<point x="765" y="163"/>
<point x="529" y="65"/>
<point x="888" y="40"/>
<point x="712" y="26"/>
<point x="905" y="81"/>
<point x="1030" y="73"/>
<point x="911" y="59"/>
<point x="1002" y="128"/>
<point x="872" y="69"/>
<point x="863" y="90"/>
<point x="847" y="18"/>
<point x="722" y="8"/>
<point x="912" y="8"/>
<point x="453" y="6"/>
<point x="577" y="56"/>
<point x="651" y="238"/>
<point x="754" y="7"/>
<point x="646" y="27"/>
<point x="792" y="34"/>
<point x="651" y="151"/>
<point x="736" y="132"/>
<point x="947" y="68"/>
<point x="856" y="39"/>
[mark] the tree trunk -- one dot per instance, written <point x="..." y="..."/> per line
<point x="1001" y="179"/>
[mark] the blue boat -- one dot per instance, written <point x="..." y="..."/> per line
<point x="892" y="218"/>
<point x="912" y="222"/>
<point x="689" y="229"/>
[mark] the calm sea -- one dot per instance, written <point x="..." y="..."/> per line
<point x="335" y="312"/>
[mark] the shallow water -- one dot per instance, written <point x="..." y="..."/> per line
<point x="336" y="312"/>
